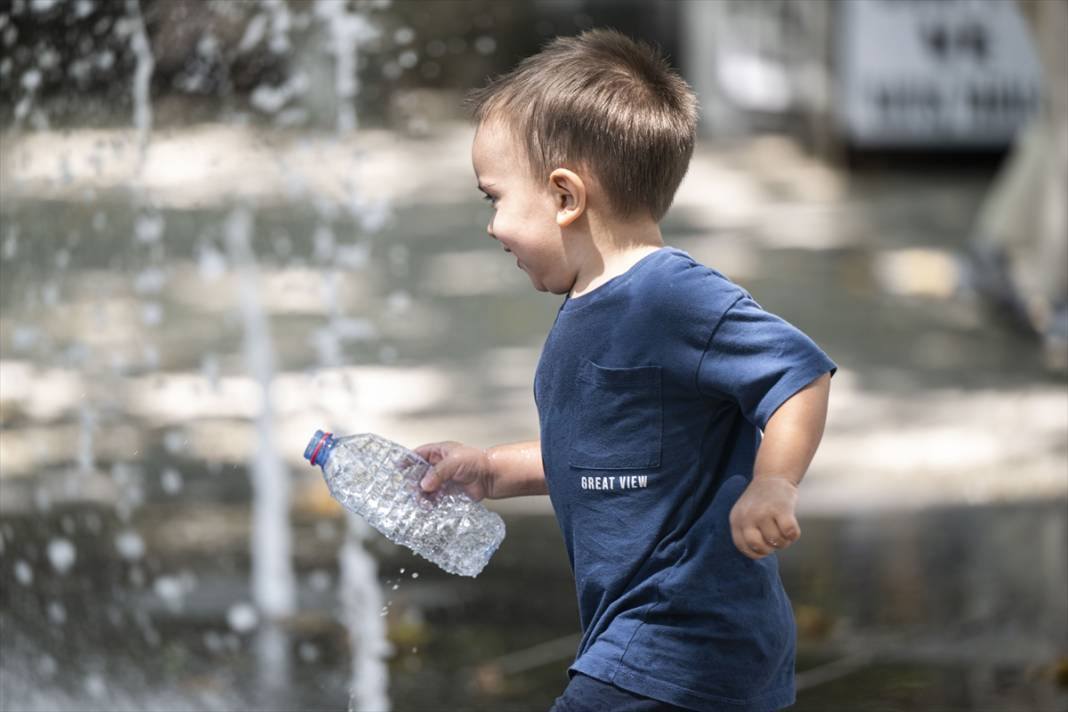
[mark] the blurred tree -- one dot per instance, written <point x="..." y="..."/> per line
<point x="1021" y="234"/>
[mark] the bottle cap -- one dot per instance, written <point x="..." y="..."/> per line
<point x="316" y="445"/>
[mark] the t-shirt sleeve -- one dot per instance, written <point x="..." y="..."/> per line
<point x="758" y="360"/>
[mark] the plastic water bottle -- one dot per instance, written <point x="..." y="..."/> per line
<point x="379" y="480"/>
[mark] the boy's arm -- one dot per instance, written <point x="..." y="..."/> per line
<point x="763" y="519"/>
<point x="497" y="472"/>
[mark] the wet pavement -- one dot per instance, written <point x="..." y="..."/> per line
<point x="932" y="569"/>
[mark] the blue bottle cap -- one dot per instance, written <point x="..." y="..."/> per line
<point x="318" y="447"/>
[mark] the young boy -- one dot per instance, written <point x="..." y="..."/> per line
<point x="653" y="387"/>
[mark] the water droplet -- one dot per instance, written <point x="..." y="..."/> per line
<point x="105" y="59"/>
<point x="242" y="617"/>
<point x="130" y="545"/>
<point x="170" y="590"/>
<point x="31" y="79"/>
<point x="57" y="613"/>
<point x="211" y="263"/>
<point x="62" y="555"/>
<point x="402" y="570"/>
<point x="399" y="301"/>
<point x="83" y="8"/>
<point x="208" y="46"/>
<point x="415" y="649"/>
<point x="50" y="293"/>
<point x="149" y="228"/>
<point x="415" y="575"/>
<point x="396" y="586"/>
<point x="254" y="32"/>
<point x="173" y="441"/>
<point x="23" y="573"/>
<point x="171" y="481"/>
<point x="95" y="686"/>
<point x="270" y="99"/>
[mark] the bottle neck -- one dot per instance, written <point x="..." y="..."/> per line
<point x="321" y="451"/>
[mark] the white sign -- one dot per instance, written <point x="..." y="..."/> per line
<point x="944" y="73"/>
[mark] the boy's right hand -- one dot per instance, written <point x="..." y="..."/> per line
<point x="467" y="466"/>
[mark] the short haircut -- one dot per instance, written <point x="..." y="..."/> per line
<point x="605" y="102"/>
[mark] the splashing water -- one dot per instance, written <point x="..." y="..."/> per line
<point x="130" y="545"/>
<point x="361" y="597"/>
<point x="142" y="82"/>
<point x="98" y="453"/>
<point x="273" y="581"/>
<point x="242" y="617"/>
<point x="62" y="555"/>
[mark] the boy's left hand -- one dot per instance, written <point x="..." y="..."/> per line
<point x="762" y="520"/>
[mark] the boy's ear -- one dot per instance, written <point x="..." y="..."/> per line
<point x="569" y="195"/>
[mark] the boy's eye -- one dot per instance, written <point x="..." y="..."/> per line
<point x="490" y="199"/>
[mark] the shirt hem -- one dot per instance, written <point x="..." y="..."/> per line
<point x="664" y="691"/>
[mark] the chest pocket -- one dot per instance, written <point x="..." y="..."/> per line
<point x="618" y="418"/>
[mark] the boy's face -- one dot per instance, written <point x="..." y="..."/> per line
<point x="524" y="218"/>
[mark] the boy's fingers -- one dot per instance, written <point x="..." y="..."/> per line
<point x="446" y="468"/>
<point x="771" y="537"/>
<point x="789" y="528"/>
<point x="754" y="548"/>
<point x="431" y="452"/>
<point x="431" y="480"/>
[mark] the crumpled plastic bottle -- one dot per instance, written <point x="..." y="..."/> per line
<point x="379" y="480"/>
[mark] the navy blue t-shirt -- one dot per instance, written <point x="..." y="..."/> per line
<point x="652" y="392"/>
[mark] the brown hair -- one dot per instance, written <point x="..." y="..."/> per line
<point x="605" y="102"/>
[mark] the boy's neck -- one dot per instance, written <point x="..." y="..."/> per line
<point x="610" y="255"/>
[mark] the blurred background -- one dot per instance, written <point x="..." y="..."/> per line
<point x="228" y="224"/>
